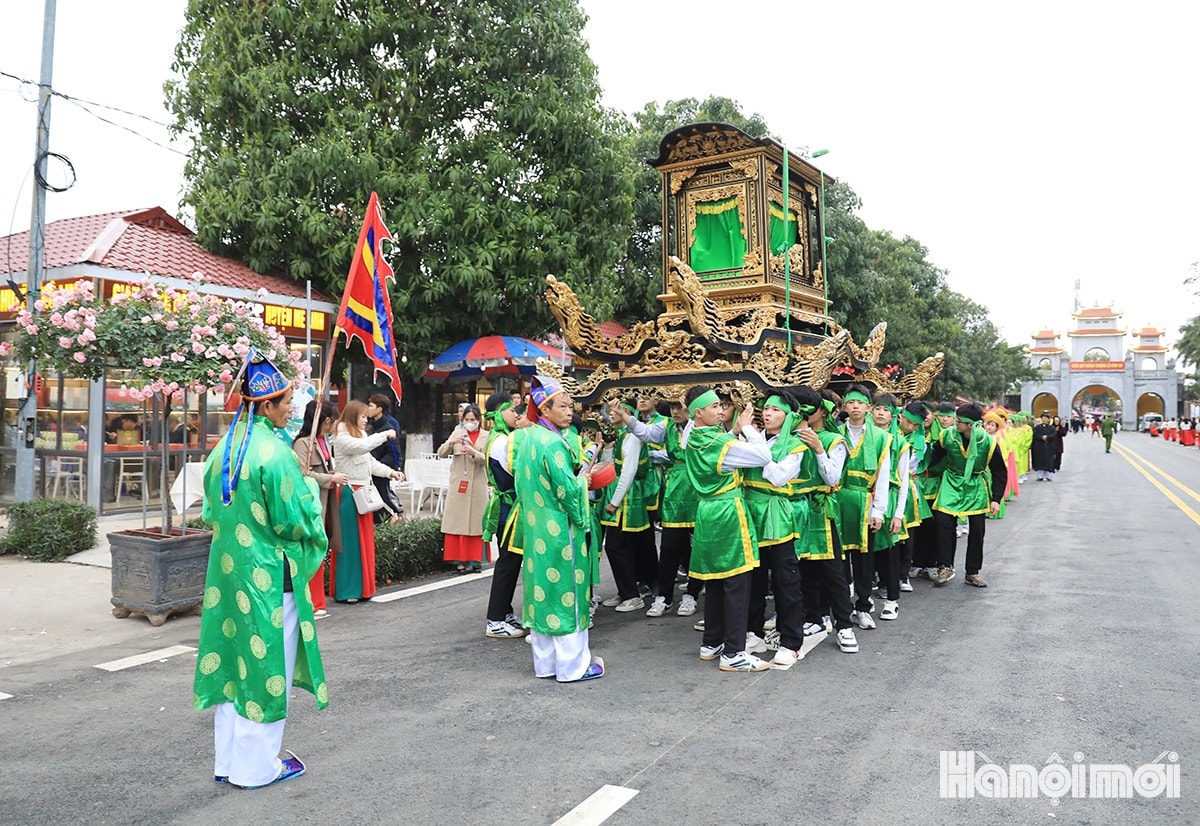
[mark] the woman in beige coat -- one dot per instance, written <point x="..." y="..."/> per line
<point x="467" y="494"/>
<point x="319" y="454"/>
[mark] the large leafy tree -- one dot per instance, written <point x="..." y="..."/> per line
<point x="477" y="123"/>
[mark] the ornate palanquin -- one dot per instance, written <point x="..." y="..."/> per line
<point x="743" y="283"/>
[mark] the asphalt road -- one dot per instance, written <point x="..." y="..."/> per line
<point x="1084" y="649"/>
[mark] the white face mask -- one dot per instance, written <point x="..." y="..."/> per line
<point x="471" y="427"/>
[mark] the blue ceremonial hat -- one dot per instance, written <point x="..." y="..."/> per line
<point x="260" y="380"/>
<point x="541" y="390"/>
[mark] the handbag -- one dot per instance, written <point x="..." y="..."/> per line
<point x="367" y="499"/>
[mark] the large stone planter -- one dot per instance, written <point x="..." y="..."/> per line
<point x="156" y="575"/>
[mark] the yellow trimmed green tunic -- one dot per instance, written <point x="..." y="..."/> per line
<point x="965" y="487"/>
<point x="632" y="515"/>
<point x="679" y="497"/>
<point x="723" y="543"/>
<point x="553" y="507"/>
<point x="814" y="508"/>
<point x="858" y="483"/>
<point x="274" y="514"/>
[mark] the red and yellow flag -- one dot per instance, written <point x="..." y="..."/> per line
<point x="366" y="312"/>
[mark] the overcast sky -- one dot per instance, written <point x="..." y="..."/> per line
<point x="1027" y="145"/>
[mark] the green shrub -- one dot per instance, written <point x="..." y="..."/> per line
<point x="409" y="549"/>
<point x="49" y="530"/>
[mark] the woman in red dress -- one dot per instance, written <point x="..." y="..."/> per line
<point x="466" y="495"/>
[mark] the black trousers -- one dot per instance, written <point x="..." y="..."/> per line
<point x="862" y="572"/>
<point x="947" y="540"/>
<point x="725" y="612"/>
<point x="504" y="578"/>
<point x="887" y="565"/>
<point x="825" y="589"/>
<point x="645" y="555"/>
<point x="620" y="547"/>
<point x="924" y="544"/>
<point x="778" y="565"/>
<point x="676" y="547"/>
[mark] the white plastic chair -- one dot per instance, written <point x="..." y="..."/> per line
<point x="69" y="471"/>
<point x="131" y="469"/>
<point x="414" y="482"/>
<point x="438" y="481"/>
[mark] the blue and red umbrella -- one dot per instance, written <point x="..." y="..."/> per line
<point x="491" y="356"/>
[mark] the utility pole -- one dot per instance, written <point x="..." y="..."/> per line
<point x="27" y="418"/>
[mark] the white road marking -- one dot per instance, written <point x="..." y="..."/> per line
<point x="597" y="808"/>
<point x="4" y="696"/>
<point x="148" y="657"/>
<point x="434" y="586"/>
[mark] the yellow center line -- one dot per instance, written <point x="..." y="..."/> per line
<point x="1162" y="473"/>
<point x="1125" y="453"/>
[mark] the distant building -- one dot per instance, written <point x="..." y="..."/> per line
<point x="1098" y="365"/>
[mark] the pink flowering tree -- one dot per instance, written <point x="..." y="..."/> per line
<point x="170" y="340"/>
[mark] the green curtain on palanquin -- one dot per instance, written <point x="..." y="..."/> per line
<point x="718" y="242"/>
<point x="783" y="236"/>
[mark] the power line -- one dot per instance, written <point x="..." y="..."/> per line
<point x="83" y="104"/>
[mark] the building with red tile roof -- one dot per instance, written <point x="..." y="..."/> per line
<point x="131" y="245"/>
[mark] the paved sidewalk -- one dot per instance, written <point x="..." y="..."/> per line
<point x="48" y="609"/>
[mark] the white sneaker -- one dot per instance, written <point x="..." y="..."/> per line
<point x="785" y="658"/>
<point x="631" y="604"/>
<point x="813" y="630"/>
<point x="772" y="640"/>
<point x="847" y="641"/>
<point x="891" y="609"/>
<point x="699" y="625"/>
<point x="769" y="625"/>
<point x="612" y="602"/>
<point x="711" y="652"/>
<point x="864" y="620"/>
<point x="743" y="661"/>
<point x="914" y="573"/>
<point x="503" y="631"/>
<point x="754" y="643"/>
<point x="658" y="607"/>
<point x="906" y="586"/>
<point x="687" y="606"/>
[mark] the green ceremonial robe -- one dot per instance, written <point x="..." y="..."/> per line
<point x="631" y="515"/>
<point x="275" y="513"/>
<point x="553" y="504"/>
<point x="814" y="508"/>
<point x="770" y="507"/>
<point x="723" y="542"/>
<point x="653" y="485"/>
<point x="858" y="484"/>
<point x="679" y="498"/>
<point x="917" y="510"/>
<point x="965" y="487"/>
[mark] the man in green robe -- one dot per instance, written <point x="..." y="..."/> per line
<point x="970" y="461"/>
<point x="724" y="544"/>
<point x="257" y="633"/>
<point x="552" y="501"/>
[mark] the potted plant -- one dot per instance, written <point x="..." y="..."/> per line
<point x="172" y="342"/>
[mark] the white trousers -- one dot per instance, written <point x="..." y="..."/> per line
<point x="248" y="752"/>
<point x="565" y="658"/>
